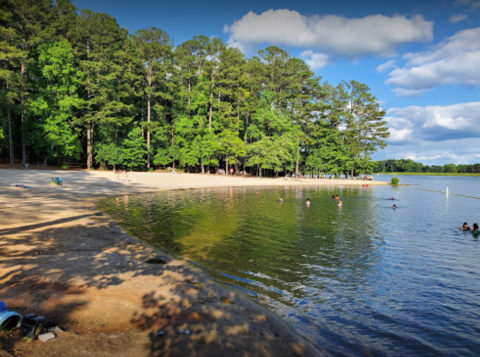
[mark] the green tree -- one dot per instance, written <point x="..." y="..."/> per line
<point x="366" y="129"/>
<point x="134" y="149"/>
<point x="55" y="104"/>
<point x="155" y="48"/>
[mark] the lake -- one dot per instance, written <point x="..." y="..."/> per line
<point x="358" y="280"/>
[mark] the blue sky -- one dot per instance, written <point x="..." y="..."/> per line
<point x="420" y="58"/>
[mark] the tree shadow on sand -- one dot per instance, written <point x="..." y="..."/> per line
<point x="83" y="273"/>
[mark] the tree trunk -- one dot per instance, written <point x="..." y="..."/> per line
<point x="260" y="169"/>
<point x="189" y="99"/>
<point x="10" y="138"/>
<point x="201" y="164"/>
<point x="22" y="118"/>
<point x="352" y="174"/>
<point x="89" y="123"/>
<point x="226" y="165"/>
<point x="89" y="145"/>
<point x="148" y="133"/>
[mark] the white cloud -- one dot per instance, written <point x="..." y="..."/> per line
<point x="386" y="66"/>
<point x="400" y="129"/>
<point x="416" y="157"/>
<point x="370" y="35"/>
<point x="314" y="60"/>
<point x="434" y="123"/>
<point x="457" y="18"/>
<point x="454" y="61"/>
<point x="400" y="92"/>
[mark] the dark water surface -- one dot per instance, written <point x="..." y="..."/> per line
<point x="361" y="280"/>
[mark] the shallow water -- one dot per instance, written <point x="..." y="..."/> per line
<point x="361" y="280"/>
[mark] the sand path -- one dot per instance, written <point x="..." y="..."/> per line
<point x="63" y="259"/>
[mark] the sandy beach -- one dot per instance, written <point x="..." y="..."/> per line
<point x="65" y="260"/>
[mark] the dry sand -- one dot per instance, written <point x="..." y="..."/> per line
<point x="61" y="258"/>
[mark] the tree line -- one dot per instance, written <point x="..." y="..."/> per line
<point x="405" y="165"/>
<point x="75" y="87"/>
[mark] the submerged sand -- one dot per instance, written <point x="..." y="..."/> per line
<point x="65" y="260"/>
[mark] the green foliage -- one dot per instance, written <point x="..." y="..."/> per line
<point x="395" y="180"/>
<point x="416" y="167"/>
<point x="135" y="150"/>
<point x="109" y="154"/>
<point x="76" y="85"/>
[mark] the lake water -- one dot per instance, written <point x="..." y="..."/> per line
<point x="360" y="280"/>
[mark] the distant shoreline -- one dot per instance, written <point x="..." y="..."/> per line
<point x="425" y="174"/>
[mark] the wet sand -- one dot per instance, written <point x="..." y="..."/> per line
<point x="65" y="260"/>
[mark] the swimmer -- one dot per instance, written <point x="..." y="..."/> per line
<point x="308" y="202"/>
<point x="475" y="229"/>
<point x="340" y="203"/>
<point x="394" y="206"/>
<point x="465" y="227"/>
<point x="280" y="198"/>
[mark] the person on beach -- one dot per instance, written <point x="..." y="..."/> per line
<point x="465" y="227"/>
<point x="475" y="229"/>
<point x="280" y="198"/>
<point x="308" y="202"/>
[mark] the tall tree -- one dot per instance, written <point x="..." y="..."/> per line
<point x="99" y="39"/>
<point x="215" y="48"/>
<point x="32" y="24"/>
<point x="11" y="56"/>
<point x="366" y="129"/>
<point x="155" y="48"/>
<point x="56" y="103"/>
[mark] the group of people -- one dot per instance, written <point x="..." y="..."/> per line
<point x="474" y="229"/>
<point x="122" y="175"/>
<point x="336" y="197"/>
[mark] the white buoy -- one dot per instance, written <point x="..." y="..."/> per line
<point x="447" y="191"/>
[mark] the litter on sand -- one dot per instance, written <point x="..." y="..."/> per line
<point x="9" y="319"/>
<point x="160" y="333"/>
<point x="22" y="186"/>
<point x="57" y="181"/>
<point x="44" y="337"/>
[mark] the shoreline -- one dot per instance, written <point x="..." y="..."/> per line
<point x="63" y="259"/>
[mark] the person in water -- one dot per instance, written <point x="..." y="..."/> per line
<point x="308" y="202"/>
<point x="280" y="198"/>
<point x="465" y="227"/>
<point x="340" y="203"/>
<point x="475" y="229"/>
<point x="393" y="198"/>
<point x="394" y="206"/>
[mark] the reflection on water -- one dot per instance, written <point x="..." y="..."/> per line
<point x="362" y="279"/>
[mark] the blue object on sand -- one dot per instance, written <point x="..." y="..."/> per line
<point x="10" y="319"/>
<point x="3" y="307"/>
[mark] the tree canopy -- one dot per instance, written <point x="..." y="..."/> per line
<point x="76" y="87"/>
